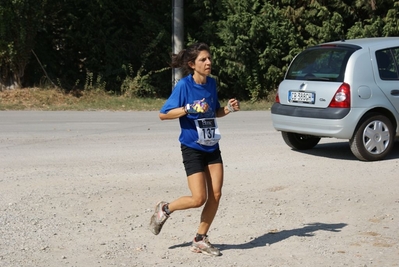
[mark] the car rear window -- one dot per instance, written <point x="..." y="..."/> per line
<point x="322" y="63"/>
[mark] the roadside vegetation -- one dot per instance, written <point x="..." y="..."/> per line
<point x="123" y="48"/>
<point x="55" y="99"/>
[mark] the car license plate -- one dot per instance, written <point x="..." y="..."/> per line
<point x="301" y="97"/>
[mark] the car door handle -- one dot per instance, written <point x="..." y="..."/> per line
<point x="395" y="92"/>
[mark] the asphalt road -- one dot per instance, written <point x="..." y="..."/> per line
<point x="24" y="133"/>
<point x="76" y="188"/>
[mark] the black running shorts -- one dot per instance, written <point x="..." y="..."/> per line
<point x="195" y="161"/>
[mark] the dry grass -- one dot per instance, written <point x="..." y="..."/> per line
<point x="36" y="99"/>
<point x="53" y="99"/>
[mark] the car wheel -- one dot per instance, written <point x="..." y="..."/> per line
<point x="300" y="141"/>
<point x="373" y="139"/>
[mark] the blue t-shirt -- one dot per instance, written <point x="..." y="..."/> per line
<point x="186" y="92"/>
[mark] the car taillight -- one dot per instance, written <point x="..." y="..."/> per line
<point x="342" y="98"/>
<point x="277" y="100"/>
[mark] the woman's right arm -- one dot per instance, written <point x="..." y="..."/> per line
<point x="173" y="114"/>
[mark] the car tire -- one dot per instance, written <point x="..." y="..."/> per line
<point x="373" y="138"/>
<point x="300" y="141"/>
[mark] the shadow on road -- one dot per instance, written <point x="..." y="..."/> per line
<point x="341" y="150"/>
<point x="271" y="238"/>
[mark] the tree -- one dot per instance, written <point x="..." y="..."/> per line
<point x="125" y="46"/>
<point x="255" y="39"/>
<point x="87" y="44"/>
<point x="19" y="23"/>
<point x="391" y="27"/>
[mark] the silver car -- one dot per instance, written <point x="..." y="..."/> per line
<point x="346" y="89"/>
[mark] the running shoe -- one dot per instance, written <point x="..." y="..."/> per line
<point x="158" y="218"/>
<point x="205" y="247"/>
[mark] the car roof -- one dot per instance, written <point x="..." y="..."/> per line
<point x="369" y="42"/>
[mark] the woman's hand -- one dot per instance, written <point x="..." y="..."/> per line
<point x="233" y="105"/>
<point x="199" y="106"/>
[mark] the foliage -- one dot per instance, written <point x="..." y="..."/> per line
<point x="54" y="99"/>
<point x="19" y="23"/>
<point x="124" y="47"/>
<point x="99" y="38"/>
<point x="253" y="39"/>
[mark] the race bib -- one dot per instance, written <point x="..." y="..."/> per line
<point x="208" y="131"/>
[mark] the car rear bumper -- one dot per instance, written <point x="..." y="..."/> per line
<point x="308" y="112"/>
<point x="318" y="122"/>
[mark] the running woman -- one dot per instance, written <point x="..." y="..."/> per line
<point x="195" y="103"/>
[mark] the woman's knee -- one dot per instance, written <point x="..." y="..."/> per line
<point x="199" y="201"/>
<point x="218" y="196"/>
<point x="215" y="197"/>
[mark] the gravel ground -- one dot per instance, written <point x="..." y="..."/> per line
<point x="79" y="188"/>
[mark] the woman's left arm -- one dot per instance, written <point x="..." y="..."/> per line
<point x="233" y="105"/>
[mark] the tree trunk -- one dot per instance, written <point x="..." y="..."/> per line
<point x="10" y="80"/>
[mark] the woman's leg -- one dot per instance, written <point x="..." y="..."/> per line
<point x="197" y="185"/>
<point x="205" y="187"/>
<point x="214" y="180"/>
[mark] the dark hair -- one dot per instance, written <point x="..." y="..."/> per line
<point x="187" y="55"/>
